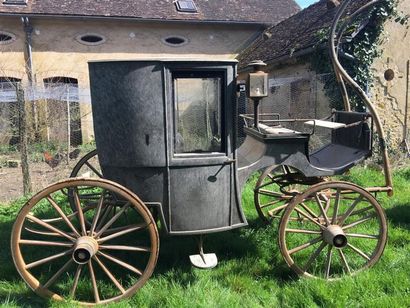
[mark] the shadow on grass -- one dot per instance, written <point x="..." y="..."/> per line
<point x="246" y="245"/>
<point x="14" y="291"/>
<point x="399" y="215"/>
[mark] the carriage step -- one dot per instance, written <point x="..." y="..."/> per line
<point x="203" y="260"/>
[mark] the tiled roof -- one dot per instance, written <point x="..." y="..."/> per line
<point x="301" y="31"/>
<point x="255" y="11"/>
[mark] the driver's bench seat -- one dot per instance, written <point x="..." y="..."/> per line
<point x="349" y="145"/>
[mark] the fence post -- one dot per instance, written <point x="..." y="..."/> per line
<point x="68" y="124"/>
<point x="22" y="117"/>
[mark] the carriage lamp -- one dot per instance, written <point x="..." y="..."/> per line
<point x="257" y="87"/>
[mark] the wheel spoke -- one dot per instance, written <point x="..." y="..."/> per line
<point x="80" y="213"/>
<point x="271" y="203"/>
<point x="72" y="215"/>
<point x="97" y="214"/>
<point x="94" y="282"/>
<point x="361" y="211"/>
<point x="303" y="231"/>
<point x="322" y="210"/>
<point x="328" y="261"/>
<point x="368" y="236"/>
<point x="123" y="231"/>
<point x="76" y="279"/>
<point x="58" y="274"/>
<point x="49" y="227"/>
<point x="112" y="220"/>
<point x="350" y="210"/>
<point x="127" y="248"/>
<point x="277" y="210"/>
<point x="104" y="216"/>
<point x="121" y="263"/>
<point x="307" y="209"/>
<point x="360" y="221"/>
<point x="48" y="259"/>
<point x="110" y="275"/>
<point x="93" y="169"/>
<point x="306" y="245"/>
<point x="314" y="256"/>
<point x="359" y="252"/>
<point x="310" y="218"/>
<point x="63" y="216"/>
<point x="344" y="262"/>
<point x="336" y="207"/>
<point x="45" y="243"/>
<point x="270" y="193"/>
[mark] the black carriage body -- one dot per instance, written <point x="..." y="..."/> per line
<point x="138" y="108"/>
<point x="167" y="131"/>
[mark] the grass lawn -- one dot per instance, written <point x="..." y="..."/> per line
<point x="251" y="271"/>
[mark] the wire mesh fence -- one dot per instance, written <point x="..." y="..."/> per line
<point x="297" y="98"/>
<point x="59" y="129"/>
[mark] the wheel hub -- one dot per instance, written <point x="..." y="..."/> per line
<point x="335" y="236"/>
<point x="85" y="248"/>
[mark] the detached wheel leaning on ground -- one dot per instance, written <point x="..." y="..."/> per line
<point x="333" y="228"/>
<point x="63" y="258"/>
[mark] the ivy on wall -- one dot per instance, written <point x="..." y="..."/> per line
<point x="359" y="51"/>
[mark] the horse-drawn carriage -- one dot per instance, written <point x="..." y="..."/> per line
<point x="167" y="145"/>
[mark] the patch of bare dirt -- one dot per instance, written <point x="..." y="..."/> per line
<point x="42" y="175"/>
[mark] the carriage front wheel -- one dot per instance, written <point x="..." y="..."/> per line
<point x="333" y="228"/>
<point x="60" y="256"/>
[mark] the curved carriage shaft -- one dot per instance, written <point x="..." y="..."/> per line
<point x="343" y="77"/>
<point x="61" y="256"/>
<point x="355" y="227"/>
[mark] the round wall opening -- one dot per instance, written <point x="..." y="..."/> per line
<point x="6" y="37"/>
<point x="389" y="74"/>
<point x="91" y="39"/>
<point x="175" y="41"/>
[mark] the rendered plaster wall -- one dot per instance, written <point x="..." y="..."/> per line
<point x="390" y="96"/>
<point x="56" y="52"/>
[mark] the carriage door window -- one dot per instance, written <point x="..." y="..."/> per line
<point x="198" y="113"/>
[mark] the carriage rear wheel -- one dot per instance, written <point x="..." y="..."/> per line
<point x="60" y="256"/>
<point x="274" y="191"/>
<point x="333" y="228"/>
<point x="88" y="166"/>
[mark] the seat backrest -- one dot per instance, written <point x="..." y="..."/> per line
<point x="357" y="136"/>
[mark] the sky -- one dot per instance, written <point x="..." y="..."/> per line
<point x="305" y="3"/>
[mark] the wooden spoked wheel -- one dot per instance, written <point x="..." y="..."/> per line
<point x="333" y="228"/>
<point x="273" y="192"/>
<point x="88" y="166"/>
<point x="62" y="257"/>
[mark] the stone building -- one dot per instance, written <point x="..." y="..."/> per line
<point x="297" y="89"/>
<point x="46" y="45"/>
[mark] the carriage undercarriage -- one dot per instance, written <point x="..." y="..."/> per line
<point x="77" y="236"/>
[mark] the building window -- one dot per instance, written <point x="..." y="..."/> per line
<point x="63" y="103"/>
<point x="175" y="41"/>
<point x="198" y="112"/>
<point x="9" y="120"/>
<point x="6" y="37"/>
<point x="186" y="6"/>
<point x="91" y="39"/>
<point x="15" y="2"/>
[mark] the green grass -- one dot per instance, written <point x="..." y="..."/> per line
<point x="251" y="272"/>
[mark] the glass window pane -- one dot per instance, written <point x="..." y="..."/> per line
<point x="198" y="115"/>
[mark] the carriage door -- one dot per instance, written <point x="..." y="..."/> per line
<point x="201" y="175"/>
